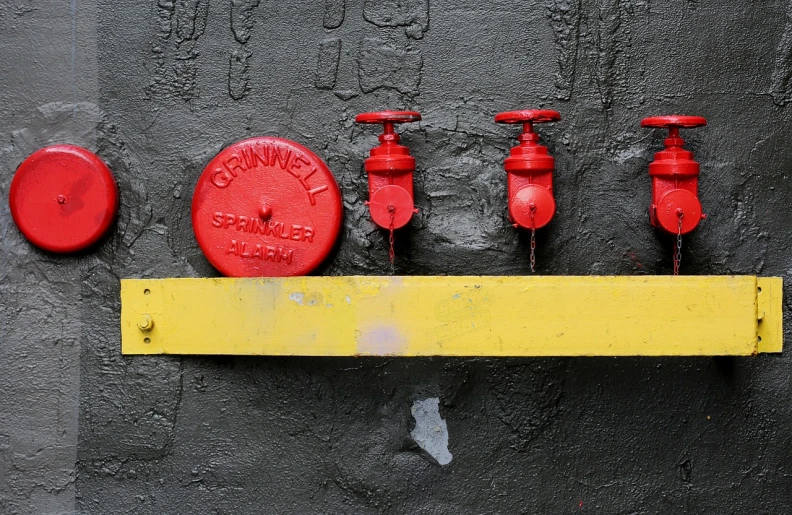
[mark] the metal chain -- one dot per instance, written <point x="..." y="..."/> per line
<point x="678" y="244"/>
<point x="392" y="251"/>
<point x="533" y="239"/>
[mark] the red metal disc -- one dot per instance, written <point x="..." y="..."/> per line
<point x="528" y="115"/>
<point x="63" y="198"/>
<point x="391" y="206"/>
<point x="668" y="216"/>
<point x="538" y="196"/>
<point x="665" y="122"/>
<point x="388" y="116"/>
<point x="266" y="207"/>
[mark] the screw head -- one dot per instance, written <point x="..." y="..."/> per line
<point x="145" y="322"/>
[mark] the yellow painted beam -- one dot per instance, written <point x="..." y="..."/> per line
<point x="453" y="316"/>
<point x="769" y="302"/>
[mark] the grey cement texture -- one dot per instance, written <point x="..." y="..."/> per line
<point x="158" y="88"/>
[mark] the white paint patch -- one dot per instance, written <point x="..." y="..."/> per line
<point x="431" y="431"/>
<point x="349" y="301"/>
<point x="381" y="340"/>
<point x="297" y="297"/>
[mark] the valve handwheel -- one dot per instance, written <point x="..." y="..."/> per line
<point x="528" y="116"/>
<point x="674" y="121"/>
<point x="388" y="117"/>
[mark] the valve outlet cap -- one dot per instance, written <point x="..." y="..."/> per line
<point x="533" y="197"/>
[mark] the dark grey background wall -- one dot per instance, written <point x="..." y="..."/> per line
<point x="157" y="88"/>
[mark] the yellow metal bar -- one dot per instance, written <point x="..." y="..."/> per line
<point x="769" y="302"/>
<point x="453" y="316"/>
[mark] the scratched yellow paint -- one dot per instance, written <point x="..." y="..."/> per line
<point x="452" y="316"/>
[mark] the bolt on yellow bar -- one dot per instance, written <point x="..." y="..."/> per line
<point x="453" y="316"/>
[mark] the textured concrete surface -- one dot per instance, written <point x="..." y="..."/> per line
<point x="158" y="88"/>
<point x="48" y="94"/>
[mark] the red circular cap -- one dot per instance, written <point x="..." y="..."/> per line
<point x="266" y="207"/>
<point x="63" y="198"/>
<point x="388" y="116"/>
<point x="391" y="206"/>
<point x="528" y="115"/>
<point x="665" y="122"/>
<point x="540" y="198"/>
<point x="672" y="204"/>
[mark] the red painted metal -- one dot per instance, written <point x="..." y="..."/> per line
<point x="266" y="207"/>
<point x="529" y="170"/>
<point x="674" y="176"/>
<point x="390" y="169"/>
<point x="63" y="198"/>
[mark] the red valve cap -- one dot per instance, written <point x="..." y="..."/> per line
<point x="536" y="199"/>
<point x="666" y="122"/>
<point x="266" y="207"/>
<point x="391" y="207"/>
<point x="63" y="198"/>
<point x="675" y="203"/>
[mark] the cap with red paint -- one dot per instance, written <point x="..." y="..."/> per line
<point x="266" y="207"/>
<point x="63" y="198"/>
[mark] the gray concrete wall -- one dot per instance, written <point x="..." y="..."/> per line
<point x="49" y="93"/>
<point x="158" y="88"/>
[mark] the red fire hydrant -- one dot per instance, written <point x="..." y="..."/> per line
<point x="675" y="204"/>
<point x="390" y="170"/>
<point x="530" y="171"/>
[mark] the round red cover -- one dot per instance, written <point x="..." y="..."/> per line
<point x="63" y="198"/>
<point x="266" y="207"/>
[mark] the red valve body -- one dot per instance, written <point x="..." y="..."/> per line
<point x="390" y="169"/>
<point x="674" y="176"/>
<point x="529" y="169"/>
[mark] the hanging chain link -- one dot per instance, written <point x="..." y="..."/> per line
<point x="392" y="250"/>
<point x="533" y="239"/>
<point x="678" y="244"/>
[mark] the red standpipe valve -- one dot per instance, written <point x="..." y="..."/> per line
<point x="675" y="205"/>
<point x="529" y="171"/>
<point x="390" y="172"/>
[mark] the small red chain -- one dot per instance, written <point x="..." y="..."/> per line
<point x="392" y="251"/>
<point x="533" y="238"/>
<point x="678" y="244"/>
